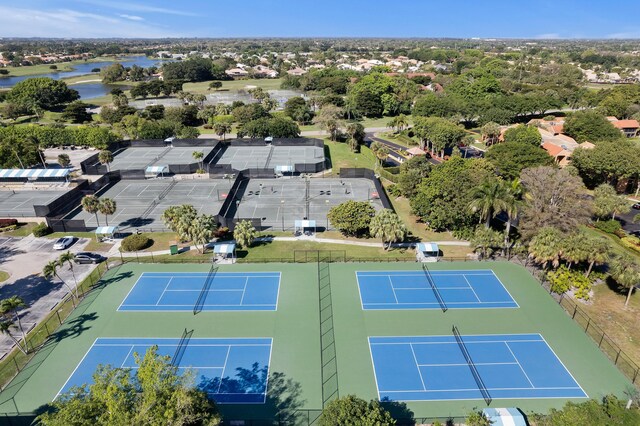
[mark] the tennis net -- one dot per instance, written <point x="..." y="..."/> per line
<point x="205" y="290"/>
<point x="182" y="346"/>
<point x="427" y="274"/>
<point x="472" y="366"/>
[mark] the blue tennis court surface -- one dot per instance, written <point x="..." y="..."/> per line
<point x="430" y="368"/>
<point x="411" y="290"/>
<point x="232" y="371"/>
<point x="227" y="291"/>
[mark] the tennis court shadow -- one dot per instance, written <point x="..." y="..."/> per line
<point x="135" y="222"/>
<point x="283" y="400"/>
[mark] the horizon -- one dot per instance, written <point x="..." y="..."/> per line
<point x="405" y="19"/>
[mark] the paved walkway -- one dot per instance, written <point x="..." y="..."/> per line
<point x="115" y="250"/>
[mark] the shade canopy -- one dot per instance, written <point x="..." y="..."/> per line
<point x="504" y="417"/>
<point x="106" y="230"/>
<point x="157" y="169"/>
<point x="305" y="223"/>
<point x="227" y="248"/>
<point x="428" y="247"/>
<point x="34" y="173"/>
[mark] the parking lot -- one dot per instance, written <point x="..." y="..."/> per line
<point x="24" y="259"/>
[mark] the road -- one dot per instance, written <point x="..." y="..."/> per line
<point x="627" y="222"/>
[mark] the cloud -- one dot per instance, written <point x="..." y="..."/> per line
<point x="23" y="22"/>
<point x="633" y="34"/>
<point x="131" y="7"/>
<point x="131" y="17"/>
<point x="548" y="36"/>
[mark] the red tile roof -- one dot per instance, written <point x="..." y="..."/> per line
<point x="626" y="124"/>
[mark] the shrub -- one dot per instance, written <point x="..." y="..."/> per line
<point x="41" y="229"/>
<point x="608" y="226"/>
<point x="8" y="222"/>
<point x="563" y="279"/>
<point x="631" y="242"/>
<point x="394" y="190"/>
<point x="136" y="242"/>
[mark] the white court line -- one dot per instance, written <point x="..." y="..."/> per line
<point x="519" y="365"/>
<point x="562" y="363"/>
<point x="465" y="364"/>
<point x="126" y="357"/>
<point x="163" y="291"/>
<point x="75" y="369"/>
<point x="393" y="289"/>
<point x="224" y="367"/>
<point x="417" y="366"/>
<point x="471" y="288"/>
<point x="244" y="290"/>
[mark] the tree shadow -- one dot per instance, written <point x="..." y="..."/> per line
<point x="114" y="279"/>
<point x="30" y="288"/>
<point x="135" y="222"/>
<point x="73" y="328"/>
<point x="246" y="391"/>
<point x="402" y="414"/>
<point x="8" y="252"/>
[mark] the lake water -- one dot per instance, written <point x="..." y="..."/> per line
<point x="88" y="90"/>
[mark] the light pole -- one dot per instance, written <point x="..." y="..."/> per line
<point x="326" y="202"/>
<point x="282" y="213"/>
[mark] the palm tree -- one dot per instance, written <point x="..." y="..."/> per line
<point x="488" y="199"/>
<point x="222" y="128"/>
<point x="387" y="226"/>
<point x="546" y="247"/>
<point x="598" y="253"/>
<point x="69" y="258"/>
<point x="401" y="122"/>
<point x="106" y="157"/>
<point x="244" y="233"/>
<point x="201" y="230"/>
<point x="626" y="272"/>
<point x="485" y="239"/>
<point x="380" y="151"/>
<point x="50" y="270"/>
<point x="575" y="248"/>
<point x="5" y="328"/>
<point x="512" y="206"/>
<point x="198" y="156"/>
<point x="91" y="204"/>
<point x="12" y="305"/>
<point x="107" y="207"/>
<point x="490" y="133"/>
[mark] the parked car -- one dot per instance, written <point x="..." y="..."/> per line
<point x="88" y="257"/>
<point x="63" y="243"/>
<point x="636" y="206"/>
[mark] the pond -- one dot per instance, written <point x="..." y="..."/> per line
<point x="88" y="90"/>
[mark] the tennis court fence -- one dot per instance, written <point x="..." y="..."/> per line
<point x="607" y="345"/>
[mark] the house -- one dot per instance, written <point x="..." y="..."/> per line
<point x="554" y="126"/>
<point x="236" y="72"/>
<point x="296" y="71"/>
<point x="630" y="128"/>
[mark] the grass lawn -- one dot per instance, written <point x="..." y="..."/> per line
<point x="232" y="85"/>
<point x="621" y="324"/>
<point x="39" y="69"/>
<point x="4" y="276"/>
<point x="342" y="156"/>
<point x="161" y="240"/>
<point x="23" y="230"/>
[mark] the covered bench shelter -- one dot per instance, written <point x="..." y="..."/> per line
<point x="224" y="252"/>
<point x="504" y="416"/>
<point x="305" y="227"/>
<point x="108" y="231"/>
<point x="156" y="170"/>
<point x="26" y="175"/>
<point x="427" y="252"/>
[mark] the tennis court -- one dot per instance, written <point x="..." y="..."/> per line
<point x="431" y="368"/>
<point x="218" y="364"/>
<point x="215" y="291"/>
<point x="424" y="289"/>
<point x="270" y="156"/>
<point x="19" y="203"/>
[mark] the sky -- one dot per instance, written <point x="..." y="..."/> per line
<point x="536" y="19"/>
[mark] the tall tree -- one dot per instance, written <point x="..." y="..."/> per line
<point x="626" y="271"/>
<point x="198" y="156"/>
<point x="607" y="203"/>
<point x="245" y="233"/>
<point x="201" y="230"/>
<point x="10" y="306"/>
<point x="5" y="328"/>
<point x="598" y="253"/>
<point x="91" y="205"/>
<point x="107" y="207"/>
<point x="68" y="258"/>
<point x="50" y="270"/>
<point x="154" y="393"/>
<point x="352" y="217"/>
<point x="352" y="411"/>
<point x="486" y="240"/>
<point x="555" y="198"/>
<point x="330" y="119"/>
<point x="106" y="157"/>
<point x="380" y="151"/>
<point x="488" y="199"/>
<point x="387" y="226"/>
<point x="590" y="126"/>
<point x="546" y="247"/>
